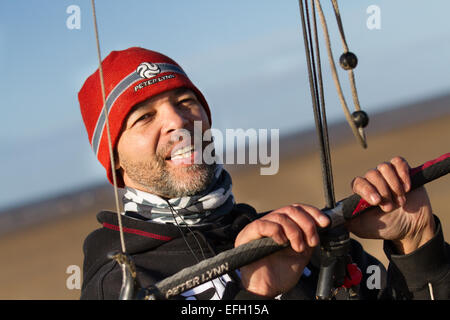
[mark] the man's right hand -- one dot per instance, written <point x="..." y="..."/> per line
<point x="280" y="272"/>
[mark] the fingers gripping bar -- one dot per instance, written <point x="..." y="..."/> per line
<point x="431" y="170"/>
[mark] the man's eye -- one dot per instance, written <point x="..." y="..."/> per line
<point x="186" y="101"/>
<point x="146" y="116"/>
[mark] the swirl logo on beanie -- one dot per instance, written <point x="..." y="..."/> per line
<point x="148" y="70"/>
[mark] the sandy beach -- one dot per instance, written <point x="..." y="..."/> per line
<point x="35" y="259"/>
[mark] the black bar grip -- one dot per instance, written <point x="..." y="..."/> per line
<point x="209" y="269"/>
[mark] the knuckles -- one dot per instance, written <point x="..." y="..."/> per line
<point x="262" y="226"/>
<point x="361" y="186"/>
<point x="398" y="160"/>
<point x="292" y="209"/>
<point x="372" y="174"/>
<point x="385" y="166"/>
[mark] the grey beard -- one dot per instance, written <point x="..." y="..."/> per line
<point x="155" y="178"/>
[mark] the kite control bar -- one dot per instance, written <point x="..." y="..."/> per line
<point x="242" y="255"/>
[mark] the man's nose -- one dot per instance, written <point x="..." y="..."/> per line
<point x="174" y="118"/>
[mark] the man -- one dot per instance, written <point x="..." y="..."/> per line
<point x="178" y="210"/>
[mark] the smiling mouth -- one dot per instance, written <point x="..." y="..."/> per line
<point x="186" y="155"/>
<point x="182" y="153"/>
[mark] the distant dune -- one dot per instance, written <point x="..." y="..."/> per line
<point x="41" y="240"/>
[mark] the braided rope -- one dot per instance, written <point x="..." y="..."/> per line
<point x="351" y="74"/>
<point x="360" y="137"/>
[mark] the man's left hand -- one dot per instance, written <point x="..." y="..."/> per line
<point x="402" y="217"/>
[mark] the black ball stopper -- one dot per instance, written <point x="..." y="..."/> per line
<point x="360" y="118"/>
<point x="348" y="61"/>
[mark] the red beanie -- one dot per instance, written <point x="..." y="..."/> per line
<point x="131" y="76"/>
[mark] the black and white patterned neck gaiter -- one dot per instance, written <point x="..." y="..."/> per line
<point x="217" y="200"/>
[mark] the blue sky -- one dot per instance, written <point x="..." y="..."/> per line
<point x="246" y="56"/>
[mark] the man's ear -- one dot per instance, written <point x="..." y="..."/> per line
<point x="116" y="160"/>
<point x="117" y="167"/>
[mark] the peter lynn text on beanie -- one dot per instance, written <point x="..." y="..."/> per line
<point x="130" y="77"/>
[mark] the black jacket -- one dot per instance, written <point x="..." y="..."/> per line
<point x="160" y="250"/>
